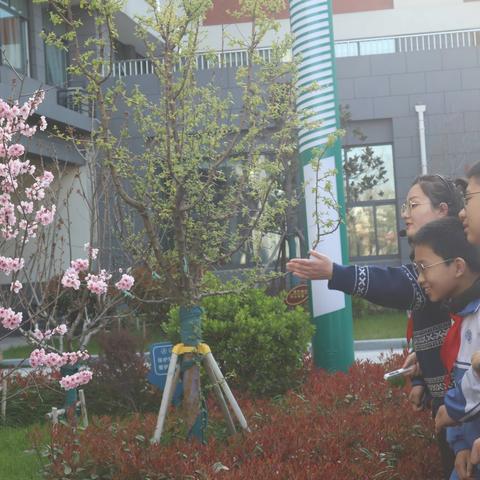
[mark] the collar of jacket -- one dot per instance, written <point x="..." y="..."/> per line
<point x="468" y="301"/>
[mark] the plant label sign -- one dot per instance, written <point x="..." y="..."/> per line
<point x="297" y="295"/>
<point x="160" y="354"/>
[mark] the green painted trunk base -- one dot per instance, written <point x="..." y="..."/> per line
<point x="191" y="335"/>
<point x="71" y="396"/>
<point x="332" y="342"/>
<point x="191" y="325"/>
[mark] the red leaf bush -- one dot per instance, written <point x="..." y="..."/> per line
<point x="30" y="397"/>
<point x="338" y="426"/>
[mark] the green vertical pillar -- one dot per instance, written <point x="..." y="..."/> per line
<point x="71" y="395"/>
<point x="311" y="24"/>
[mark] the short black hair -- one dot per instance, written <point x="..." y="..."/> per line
<point x="447" y="239"/>
<point x="440" y="189"/>
<point x="474" y="171"/>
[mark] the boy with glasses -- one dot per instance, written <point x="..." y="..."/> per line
<point x="470" y="215"/>
<point x="449" y="270"/>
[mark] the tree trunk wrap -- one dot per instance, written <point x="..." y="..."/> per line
<point x="191" y="335"/>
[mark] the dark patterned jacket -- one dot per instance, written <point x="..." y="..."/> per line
<point x="397" y="287"/>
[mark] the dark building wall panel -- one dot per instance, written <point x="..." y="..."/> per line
<point x="446" y="81"/>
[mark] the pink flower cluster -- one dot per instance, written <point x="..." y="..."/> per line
<point x="16" y="286"/>
<point x="43" y="123"/>
<point x="70" y="279"/>
<point x="98" y="283"/>
<point x="13" y="120"/>
<point x="76" y="380"/>
<point x="16" y="150"/>
<point x="79" y="265"/>
<point x="39" y="358"/>
<point x="45" y="216"/>
<point x="125" y="283"/>
<point x="48" y="334"/>
<point x="10" y="319"/>
<point x="25" y="207"/>
<point x="9" y="265"/>
<point x="92" y="252"/>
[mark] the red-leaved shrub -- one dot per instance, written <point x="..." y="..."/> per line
<point x="30" y="397"/>
<point x="337" y="426"/>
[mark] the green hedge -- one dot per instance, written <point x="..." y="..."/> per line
<point x="257" y="340"/>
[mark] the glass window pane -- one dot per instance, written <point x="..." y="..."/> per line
<point x="376" y="47"/>
<point x="346" y="49"/>
<point x="387" y="236"/>
<point x="56" y="64"/>
<point x="19" y="6"/>
<point x="361" y="231"/>
<point x="266" y="246"/>
<point x="55" y="58"/>
<point x="368" y="173"/>
<point x="13" y="40"/>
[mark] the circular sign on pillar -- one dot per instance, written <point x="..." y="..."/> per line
<point x="297" y="295"/>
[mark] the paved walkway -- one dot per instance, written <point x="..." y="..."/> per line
<point x="11" y="341"/>
<point x="364" y="349"/>
<point x="373" y="349"/>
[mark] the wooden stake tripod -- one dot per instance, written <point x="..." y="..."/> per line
<point x="220" y="387"/>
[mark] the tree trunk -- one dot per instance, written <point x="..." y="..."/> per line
<point x="190" y="332"/>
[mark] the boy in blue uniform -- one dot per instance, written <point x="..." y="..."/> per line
<point x="463" y="403"/>
<point x="470" y="214"/>
<point x="449" y="270"/>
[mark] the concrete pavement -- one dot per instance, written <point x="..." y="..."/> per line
<point x="373" y="349"/>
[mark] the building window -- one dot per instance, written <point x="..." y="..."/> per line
<point x="377" y="47"/>
<point x="370" y="201"/>
<point x="14" y="34"/>
<point x="55" y="58"/>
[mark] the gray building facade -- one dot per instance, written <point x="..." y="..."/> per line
<point x="381" y="92"/>
<point x="380" y="81"/>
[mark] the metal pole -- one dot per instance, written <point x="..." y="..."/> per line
<point x="4" y="400"/>
<point x="83" y="408"/>
<point x="165" y="399"/>
<point x="420" y="109"/>
<point x="210" y="360"/>
<point x="311" y="23"/>
<point x="54" y="415"/>
<point x="221" y="400"/>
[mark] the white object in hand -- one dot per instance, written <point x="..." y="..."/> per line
<point x="397" y="373"/>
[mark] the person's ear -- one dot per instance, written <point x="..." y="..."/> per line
<point x="460" y="267"/>
<point x="443" y="209"/>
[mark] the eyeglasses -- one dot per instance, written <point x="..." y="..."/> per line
<point x="469" y="195"/>
<point x="421" y="267"/>
<point x="407" y="207"/>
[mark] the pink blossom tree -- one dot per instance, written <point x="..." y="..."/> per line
<point x="24" y="210"/>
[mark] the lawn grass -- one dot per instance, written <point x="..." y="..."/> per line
<point x="18" y="461"/>
<point x="386" y="324"/>
<point x="154" y="334"/>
